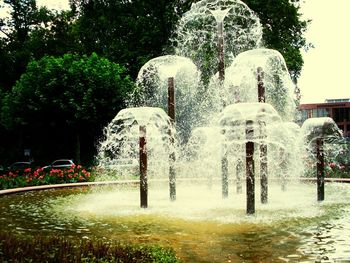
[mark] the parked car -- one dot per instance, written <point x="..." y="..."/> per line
<point x="19" y="166"/>
<point x="60" y="164"/>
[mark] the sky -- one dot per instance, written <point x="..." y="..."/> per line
<point x="54" y="4"/>
<point x="326" y="73"/>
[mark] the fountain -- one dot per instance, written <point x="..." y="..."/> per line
<point x="153" y="83"/>
<point x="230" y="23"/>
<point x="244" y="125"/>
<point x="232" y="128"/>
<point x="134" y="127"/>
<point x="316" y="132"/>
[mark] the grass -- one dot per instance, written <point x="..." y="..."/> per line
<point x="15" y="248"/>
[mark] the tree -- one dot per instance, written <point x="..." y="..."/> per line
<point x="57" y="39"/>
<point x="30" y="32"/>
<point x="15" y="30"/>
<point x="283" y="30"/>
<point x="69" y="96"/>
<point x="127" y="32"/>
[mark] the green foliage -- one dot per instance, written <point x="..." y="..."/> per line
<point x="59" y="249"/>
<point x="331" y="170"/>
<point x="69" y="95"/>
<point x="72" y="89"/>
<point x="55" y="39"/>
<point x="337" y="160"/>
<point x="25" y="17"/>
<point x="110" y="29"/>
<point x="283" y="29"/>
<point x="29" y="177"/>
<point x="45" y="104"/>
<point x="130" y="32"/>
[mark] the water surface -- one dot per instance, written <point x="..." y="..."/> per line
<point x="199" y="225"/>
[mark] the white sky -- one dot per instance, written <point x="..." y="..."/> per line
<point x="326" y="71"/>
<point x="54" y="4"/>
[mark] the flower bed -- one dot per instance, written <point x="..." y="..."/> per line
<point x="30" y="177"/>
<point x="336" y="170"/>
<point x="331" y="170"/>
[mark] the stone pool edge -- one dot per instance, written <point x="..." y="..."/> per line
<point x="66" y="185"/>
<point x="123" y="182"/>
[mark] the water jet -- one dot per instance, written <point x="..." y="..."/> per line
<point x="198" y="156"/>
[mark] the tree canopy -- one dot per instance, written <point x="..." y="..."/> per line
<point x="43" y="44"/>
<point x="73" y="94"/>
<point x="283" y="30"/>
<point x="126" y="32"/>
<point x="130" y="32"/>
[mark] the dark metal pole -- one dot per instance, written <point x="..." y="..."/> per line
<point x="320" y="169"/>
<point x="263" y="165"/>
<point x="221" y="51"/>
<point x="261" y="88"/>
<point x="250" y="170"/>
<point x="224" y="173"/>
<point x="171" y="99"/>
<point x="143" y="168"/>
<point x="172" y="157"/>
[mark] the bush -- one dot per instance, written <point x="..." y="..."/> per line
<point x="331" y="170"/>
<point x="28" y="177"/>
<point x="59" y="249"/>
<point x="336" y="170"/>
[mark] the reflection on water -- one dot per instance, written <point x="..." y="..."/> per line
<point x="200" y="226"/>
<point x="330" y="240"/>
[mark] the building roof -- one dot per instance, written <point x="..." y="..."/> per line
<point x="338" y="103"/>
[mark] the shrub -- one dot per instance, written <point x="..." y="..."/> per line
<point x="28" y="177"/>
<point x="331" y="170"/>
<point x="59" y="249"/>
<point x="336" y="170"/>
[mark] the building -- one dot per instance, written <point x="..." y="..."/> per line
<point x="337" y="109"/>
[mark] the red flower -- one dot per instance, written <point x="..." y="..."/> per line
<point x="27" y="170"/>
<point x="39" y="170"/>
<point x="36" y="173"/>
<point x="332" y="165"/>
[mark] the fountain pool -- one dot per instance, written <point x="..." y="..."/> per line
<point x="225" y="125"/>
<point x="200" y="226"/>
